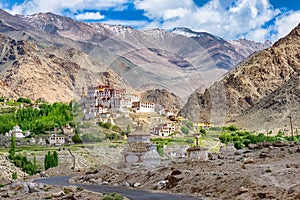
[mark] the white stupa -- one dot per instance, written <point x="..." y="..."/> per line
<point x="18" y="133"/>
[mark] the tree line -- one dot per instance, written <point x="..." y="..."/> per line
<point x="37" y="120"/>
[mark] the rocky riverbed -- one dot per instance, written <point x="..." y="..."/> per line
<point x="263" y="172"/>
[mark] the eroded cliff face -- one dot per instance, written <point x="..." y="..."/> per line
<point x="243" y="87"/>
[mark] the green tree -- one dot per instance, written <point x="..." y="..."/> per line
<point x="189" y="124"/>
<point x="184" y="129"/>
<point x="51" y="160"/>
<point x="55" y="158"/>
<point x="76" y="139"/>
<point x="128" y="129"/>
<point x="203" y="132"/>
<point x="12" y="150"/>
<point x="47" y="161"/>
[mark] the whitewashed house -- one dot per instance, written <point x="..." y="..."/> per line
<point x="143" y="107"/>
<point x="164" y="130"/>
<point x="56" y="139"/>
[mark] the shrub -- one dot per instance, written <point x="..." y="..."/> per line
<point x="189" y="124"/>
<point x="239" y="145"/>
<point x="100" y="123"/>
<point x="24" y="100"/>
<point x="184" y="129"/>
<point x="117" y="196"/>
<point x="117" y="129"/>
<point x="246" y="142"/>
<point x="107" y="125"/>
<point x="76" y="139"/>
<point x="242" y="134"/>
<point x="90" y="138"/>
<point x="112" y="196"/>
<point x="160" y="149"/>
<point x="14" y="175"/>
<point x="113" y="136"/>
<point x="231" y="128"/>
<point x="203" y="132"/>
<point x="280" y="133"/>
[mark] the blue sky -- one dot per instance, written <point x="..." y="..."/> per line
<point x="256" y="20"/>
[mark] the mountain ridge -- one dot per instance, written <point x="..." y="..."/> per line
<point x="134" y="55"/>
<point x="244" y="86"/>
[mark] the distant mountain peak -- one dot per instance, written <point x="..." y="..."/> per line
<point x="190" y="33"/>
<point x="187" y="32"/>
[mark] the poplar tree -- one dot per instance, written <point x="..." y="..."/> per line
<point x="12" y="150"/>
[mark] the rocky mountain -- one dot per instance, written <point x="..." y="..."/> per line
<point x="226" y="54"/>
<point x="164" y="98"/>
<point x="47" y="73"/>
<point x="250" y="87"/>
<point x="275" y="110"/>
<point x="137" y="55"/>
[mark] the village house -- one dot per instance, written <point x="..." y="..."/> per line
<point x="143" y="107"/>
<point x="204" y="124"/>
<point x="56" y="140"/>
<point x="164" y="130"/>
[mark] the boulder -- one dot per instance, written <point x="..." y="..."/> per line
<point x="125" y="184"/>
<point x="58" y="194"/>
<point x="248" y="161"/>
<point x="243" y="190"/>
<point x="43" y="174"/>
<point x="264" y="155"/>
<point x="33" y="187"/>
<point x="16" y="186"/>
<point x="266" y="144"/>
<point x="278" y="144"/>
<point x="161" y="184"/>
<point x="174" y="177"/>
<point x="136" y="185"/>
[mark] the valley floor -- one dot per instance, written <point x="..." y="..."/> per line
<point x="264" y="172"/>
<point x="267" y="172"/>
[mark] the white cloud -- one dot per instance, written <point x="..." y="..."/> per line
<point x="258" y="34"/>
<point x="90" y="16"/>
<point x="230" y="20"/>
<point x="285" y="23"/>
<point x="155" y="9"/>
<point x="175" y="13"/>
<point x="58" y="6"/>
